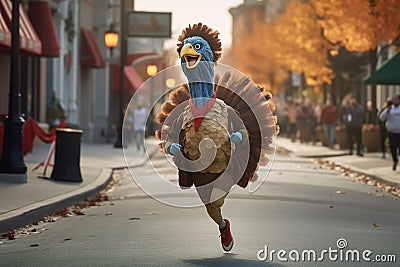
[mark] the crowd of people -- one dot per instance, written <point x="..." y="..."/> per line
<point x="300" y="120"/>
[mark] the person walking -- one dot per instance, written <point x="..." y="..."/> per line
<point x="382" y="128"/>
<point x="354" y="117"/>
<point x="329" y="115"/>
<point x="392" y="116"/>
<point x="139" y="117"/>
<point x="292" y="126"/>
<point x="371" y="114"/>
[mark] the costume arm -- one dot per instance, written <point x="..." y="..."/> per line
<point x="236" y="124"/>
<point x="173" y="134"/>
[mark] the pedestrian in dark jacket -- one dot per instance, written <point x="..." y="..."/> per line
<point x="371" y="114"/>
<point x="392" y="117"/>
<point x="382" y="128"/>
<point x="354" y="117"/>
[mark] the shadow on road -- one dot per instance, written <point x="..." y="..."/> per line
<point x="229" y="260"/>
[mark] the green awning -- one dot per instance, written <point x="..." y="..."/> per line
<point x="388" y="72"/>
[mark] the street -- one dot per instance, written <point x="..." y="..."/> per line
<point x="299" y="207"/>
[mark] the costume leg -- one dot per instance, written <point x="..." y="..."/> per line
<point x="214" y="207"/>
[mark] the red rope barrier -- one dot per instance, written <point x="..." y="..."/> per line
<point x="30" y="130"/>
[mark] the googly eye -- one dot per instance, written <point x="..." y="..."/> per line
<point x="197" y="46"/>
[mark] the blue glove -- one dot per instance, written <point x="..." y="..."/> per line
<point x="174" y="149"/>
<point x="236" y="137"/>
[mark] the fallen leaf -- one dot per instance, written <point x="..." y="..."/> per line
<point x="11" y="235"/>
<point x="78" y="212"/>
<point x="376" y="225"/>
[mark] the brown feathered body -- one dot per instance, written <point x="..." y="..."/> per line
<point x="213" y="126"/>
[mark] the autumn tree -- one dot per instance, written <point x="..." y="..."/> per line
<point x="360" y="25"/>
<point x="257" y="57"/>
<point x="293" y="41"/>
<point x="302" y="47"/>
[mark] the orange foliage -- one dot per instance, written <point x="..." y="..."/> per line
<point x="293" y="41"/>
<point x="302" y="47"/>
<point x="256" y="56"/>
<point x="358" y="25"/>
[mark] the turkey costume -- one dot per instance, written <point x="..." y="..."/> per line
<point x="219" y="129"/>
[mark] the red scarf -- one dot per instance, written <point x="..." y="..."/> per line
<point x="199" y="113"/>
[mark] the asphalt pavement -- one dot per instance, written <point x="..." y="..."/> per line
<point x="300" y="209"/>
<point x="22" y="204"/>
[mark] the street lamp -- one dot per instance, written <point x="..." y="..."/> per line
<point x="111" y="37"/>
<point x="151" y="71"/>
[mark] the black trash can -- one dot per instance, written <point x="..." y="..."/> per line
<point x="68" y="154"/>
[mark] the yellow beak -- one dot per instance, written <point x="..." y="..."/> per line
<point x="192" y="57"/>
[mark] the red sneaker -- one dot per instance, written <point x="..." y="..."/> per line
<point x="226" y="237"/>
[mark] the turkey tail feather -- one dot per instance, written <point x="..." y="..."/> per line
<point x="254" y="106"/>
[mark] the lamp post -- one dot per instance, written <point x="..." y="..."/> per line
<point x="151" y="71"/>
<point x="111" y="37"/>
<point x="12" y="166"/>
<point x="123" y="52"/>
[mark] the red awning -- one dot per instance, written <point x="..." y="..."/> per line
<point x="132" y="78"/>
<point x="29" y="41"/>
<point x="91" y="56"/>
<point x="5" y="35"/>
<point x="40" y="15"/>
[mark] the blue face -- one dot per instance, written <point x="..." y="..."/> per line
<point x="200" y="46"/>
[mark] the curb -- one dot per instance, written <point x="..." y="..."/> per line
<point x="126" y="166"/>
<point x="342" y="164"/>
<point x="372" y="176"/>
<point x="320" y="155"/>
<point x="34" y="212"/>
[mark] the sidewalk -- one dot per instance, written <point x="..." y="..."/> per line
<point x="22" y="204"/>
<point x="371" y="164"/>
